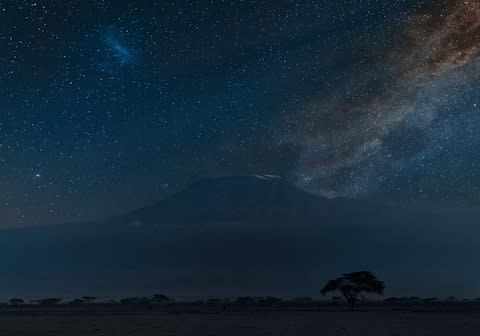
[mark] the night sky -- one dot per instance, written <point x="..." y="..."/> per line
<point x="106" y="106"/>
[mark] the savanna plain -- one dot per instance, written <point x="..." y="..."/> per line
<point x="200" y="319"/>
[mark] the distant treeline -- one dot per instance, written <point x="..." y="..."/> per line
<point x="161" y="299"/>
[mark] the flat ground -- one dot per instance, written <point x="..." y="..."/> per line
<point x="323" y="323"/>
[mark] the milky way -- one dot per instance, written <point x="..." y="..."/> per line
<point x="356" y="146"/>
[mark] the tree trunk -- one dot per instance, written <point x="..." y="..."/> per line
<point x="350" y="300"/>
<point x="352" y="305"/>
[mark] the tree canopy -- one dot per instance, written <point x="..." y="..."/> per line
<point x="352" y="284"/>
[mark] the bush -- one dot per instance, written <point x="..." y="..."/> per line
<point x="245" y="300"/>
<point x="89" y="299"/>
<point x="16" y="301"/>
<point x="270" y="300"/>
<point x="77" y="302"/>
<point x="135" y="301"/>
<point x="50" y="301"/>
<point x="160" y="298"/>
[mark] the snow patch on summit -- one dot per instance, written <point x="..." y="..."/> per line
<point x="267" y="177"/>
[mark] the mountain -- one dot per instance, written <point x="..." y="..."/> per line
<point x="244" y="235"/>
<point x="259" y="199"/>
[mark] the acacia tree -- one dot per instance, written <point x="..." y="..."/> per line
<point x="352" y="284"/>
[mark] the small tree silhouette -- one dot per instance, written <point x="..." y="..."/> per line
<point x="50" y="301"/>
<point x="16" y="301"/>
<point x="160" y="298"/>
<point x="89" y="299"/>
<point x="352" y="284"/>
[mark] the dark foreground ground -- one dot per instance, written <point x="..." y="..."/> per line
<point x="411" y="321"/>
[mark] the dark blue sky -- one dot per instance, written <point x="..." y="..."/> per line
<point x="110" y="105"/>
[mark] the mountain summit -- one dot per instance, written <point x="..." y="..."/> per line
<point x="263" y="199"/>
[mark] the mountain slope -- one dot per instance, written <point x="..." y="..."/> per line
<point x="260" y="199"/>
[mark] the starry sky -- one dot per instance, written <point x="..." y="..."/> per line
<point x="107" y="106"/>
